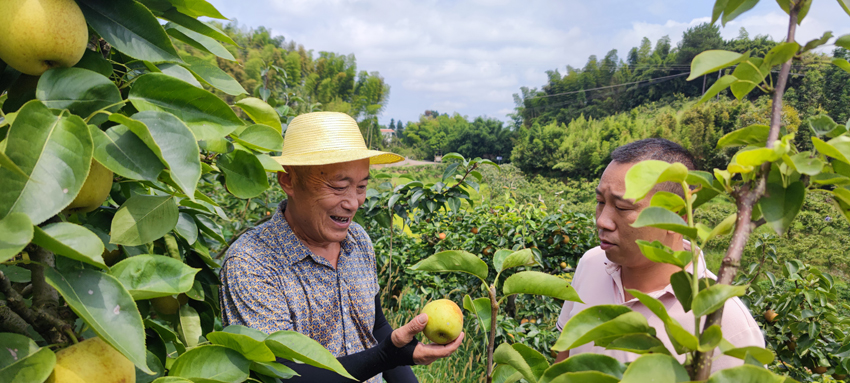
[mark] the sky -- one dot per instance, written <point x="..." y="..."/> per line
<point x="471" y="56"/>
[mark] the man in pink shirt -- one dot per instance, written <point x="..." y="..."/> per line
<point x="605" y="272"/>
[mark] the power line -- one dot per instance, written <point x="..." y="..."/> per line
<point x="611" y="86"/>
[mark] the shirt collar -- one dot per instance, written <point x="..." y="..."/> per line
<point x="293" y="250"/>
<point x="613" y="269"/>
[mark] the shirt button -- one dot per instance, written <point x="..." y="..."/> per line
<point x="348" y="345"/>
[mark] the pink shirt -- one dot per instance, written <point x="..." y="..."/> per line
<point x="598" y="282"/>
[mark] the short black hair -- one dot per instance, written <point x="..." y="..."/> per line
<point x="656" y="149"/>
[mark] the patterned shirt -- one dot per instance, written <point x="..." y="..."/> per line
<point x="271" y="281"/>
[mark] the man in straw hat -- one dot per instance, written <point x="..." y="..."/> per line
<point x="312" y="270"/>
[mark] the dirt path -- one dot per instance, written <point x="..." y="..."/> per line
<point x="405" y="163"/>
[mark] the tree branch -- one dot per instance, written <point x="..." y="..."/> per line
<point x="10" y="321"/>
<point x="41" y="320"/>
<point x="45" y="299"/>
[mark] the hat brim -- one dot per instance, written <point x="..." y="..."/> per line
<point x="375" y="157"/>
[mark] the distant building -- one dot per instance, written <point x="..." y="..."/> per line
<point x="388" y="135"/>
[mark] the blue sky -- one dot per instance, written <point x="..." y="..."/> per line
<point x="471" y="56"/>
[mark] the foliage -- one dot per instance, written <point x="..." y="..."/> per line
<point x="435" y="134"/>
<point x="134" y="269"/>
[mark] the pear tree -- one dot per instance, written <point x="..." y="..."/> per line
<point x="107" y="137"/>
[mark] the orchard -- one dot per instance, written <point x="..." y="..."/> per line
<point x="128" y="168"/>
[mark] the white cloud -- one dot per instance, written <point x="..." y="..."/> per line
<point x="470" y="56"/>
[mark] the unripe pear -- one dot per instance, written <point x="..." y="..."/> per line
<point x="92" y="361"/>
<point x="445" y="321"/>
<point x="94" y="190"/>
<point x="41" y="34"/>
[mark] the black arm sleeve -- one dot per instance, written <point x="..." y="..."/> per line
<point x="367" y="363"/>
<point x="400" y="374"/>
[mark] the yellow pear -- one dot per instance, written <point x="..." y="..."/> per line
<point x="41" y="34"/>
<point x="94" y="191"/>
<point x="92" y="361"/>
<point x="169" y="305"/>
<point x="445" y="321"/>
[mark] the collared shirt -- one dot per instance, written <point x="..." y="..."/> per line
<point x="271" y="281"/>
<point x="598" y="281"/>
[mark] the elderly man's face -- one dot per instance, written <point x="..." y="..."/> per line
<point x="325" y="198"/>
<point x="614" y="216"/>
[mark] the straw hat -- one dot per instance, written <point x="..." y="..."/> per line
<point x="322" y="138"/>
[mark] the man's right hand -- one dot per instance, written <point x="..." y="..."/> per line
<point x="424" y="354"/>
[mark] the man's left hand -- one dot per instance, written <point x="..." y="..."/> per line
<point x="424" y="354"/>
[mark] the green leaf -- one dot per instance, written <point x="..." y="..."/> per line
<point x="245" y="176"/>
<point x="95" y="62"/>
<point x="781" y="53"/>
<point x="198" y="41"/>
<point x="643" y="176"/>
<point x="838" y="148"/>
<point x="523" y="257"/>
<point x="499" y="257"/>
<point x="722" y="228"/>
<point x="817" y="42"/>
<point x="81" y="91"/>
<point x="717" y="10"/>
<point x="745" y="374"/>
<point x="178" y="72"/>
<point x="103" y="303"/>
<point x="196" y="25"/>
<point x="843" y="41"/>
<point x="639" y="344"/>
<point x="454" y="260"/>
<point x="151" y="276"/>
<point x="142" y="219"/>
<point x="714" y="60"/>
<point x="830" y="179"/>
<point x="72" y="241"/>
<point x="260" y="138"/>
<point x="842" y="194"/>
<point x="211" y="362"/>
<point x="35" y="367"/>
<point x="750" y="73"/>
<point x="129" y="27"/>
<point x="601" y="324"/>
<point x="275" y="370"/>
<point x="845" y="5"/>
<point x="171" y="141"/>
<point x="7" y="162"/>
<point x="204" y="113"/>
<point x="753" y="135"/>
<point x="121" y="151"/>
<point x="598" y="363"/>
<point x="527" y="361"/>
<point x="197" y="8"/>
<point x="667" y="200"/>
<point x="657" y="252"/>
<point x="757" y="156"/>
<point x="187" y="228"/>
<point x="294" y="346"/>
<point x="664" y="219"/>
<point x="656" y="368"/>
<point x="190" y="326"/>
<point x="212" y="75"/>
<point x="481" y="309"/>
<point x="780" y="205"/>
<point x="17" y="232"/>
<point x="823" y="125"/>
<point x="54" y="152"/>
<point x="841" y="63"/>
<point x="762" y="355"/>
<point x="14" y="348"/>
<point x="253" y="349"/>
<point x="735" y="8"/>
<point x="710" y="338"/>
<point x="682" y="340"/>
<point x="805" y="163"/>
<point x="681" y="282"/>
<point x="539" y="283"/>
<point x="709" y="300"/>
<point x="260" y="112"/>
<point x="269" y="164"/>
<point x="718" y="86"/>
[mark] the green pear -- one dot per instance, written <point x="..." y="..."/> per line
<point x="445" y="321"/>
<point x="94" y="191"/>
<point x="41" y="34"/>
<point x="92" y="361"/>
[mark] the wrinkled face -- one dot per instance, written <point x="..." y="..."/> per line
<point x="323" y="199"/>
<point x="614" y="216"/>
